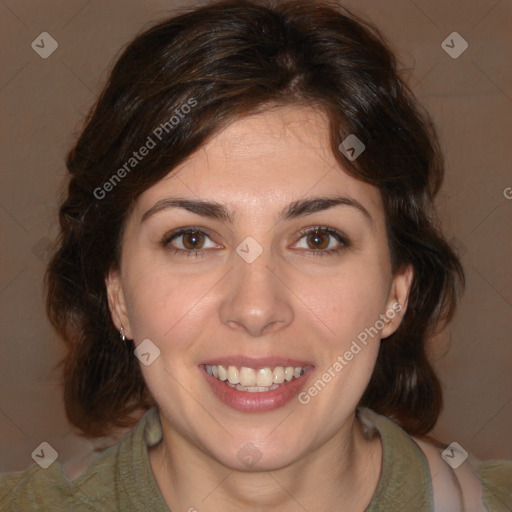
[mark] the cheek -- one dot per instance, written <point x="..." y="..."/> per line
<point x="161" y="304"/>
<point x="350" y="308"/>
<point x="349" y="300"/>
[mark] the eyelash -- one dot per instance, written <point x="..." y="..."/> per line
<point x="168" y="238"/>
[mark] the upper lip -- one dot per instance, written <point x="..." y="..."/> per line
<point x="255" y="362"/>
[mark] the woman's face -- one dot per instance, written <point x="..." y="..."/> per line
<point x="262" y="295"/>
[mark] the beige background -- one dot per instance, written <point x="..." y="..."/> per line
<point x="43" y="101"/>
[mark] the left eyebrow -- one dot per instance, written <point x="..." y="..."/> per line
<point x="316" y="204"/>
<point x="296" y="209"/>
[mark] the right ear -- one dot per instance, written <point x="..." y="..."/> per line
<point x="117" y="302"/>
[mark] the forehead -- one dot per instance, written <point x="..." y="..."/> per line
<point x="264" y="161"/>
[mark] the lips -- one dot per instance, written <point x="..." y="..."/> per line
<point x="254" y="398"/>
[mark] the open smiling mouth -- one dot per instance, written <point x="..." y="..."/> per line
<point x="259" y="389"/>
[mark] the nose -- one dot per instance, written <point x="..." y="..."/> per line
<point x="256" y="298"/>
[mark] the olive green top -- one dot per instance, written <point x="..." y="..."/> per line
<point x="121" y="479"/>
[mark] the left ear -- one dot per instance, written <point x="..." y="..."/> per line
<point x="398" y="299"/>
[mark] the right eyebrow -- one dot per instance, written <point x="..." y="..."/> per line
<point x="210" y="209"/>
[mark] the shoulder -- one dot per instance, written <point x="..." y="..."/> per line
<point x="447" y="486"/>
<point x="60" y="487"/>
<point x="451" y="479"/>
<point x="468" y="483"/>
<point x="38" y="489"/>
<point x="404" y="481"/>
<point x="116" y="477"/>
<point x="496" y="477"/>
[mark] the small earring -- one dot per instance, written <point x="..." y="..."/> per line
<point x="121" y="334"/>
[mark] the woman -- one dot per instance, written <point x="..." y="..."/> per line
<point x="248" y="271"/>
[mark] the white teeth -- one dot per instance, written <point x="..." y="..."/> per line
<point x="264" y="377"/>
<point x="233" y="375"/>
<point x="278" y="375"/>
<point x="254" y="380"/>
<point x="288" y="373"/>
<point x="223" y="374"/>
<point x="247" y="376"/>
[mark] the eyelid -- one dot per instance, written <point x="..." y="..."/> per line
<point x="324" y="229"/>
<point x="332" y="232"/>
<point x="176" y="233"/>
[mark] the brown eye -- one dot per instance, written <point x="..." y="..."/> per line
<point x="318" y="240"/>
<point x="188" y="242"/>
<point x="321" y="241"/>
<point x="193" y="239"/>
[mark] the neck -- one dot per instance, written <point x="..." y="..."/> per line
<point x="341" y="474"/>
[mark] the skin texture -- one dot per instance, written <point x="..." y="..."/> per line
<point x="288" y="302"/>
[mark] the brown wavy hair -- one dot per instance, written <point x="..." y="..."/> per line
<point x="231" y="59"/>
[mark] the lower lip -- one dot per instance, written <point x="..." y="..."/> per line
<point x="246" y="401"/>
